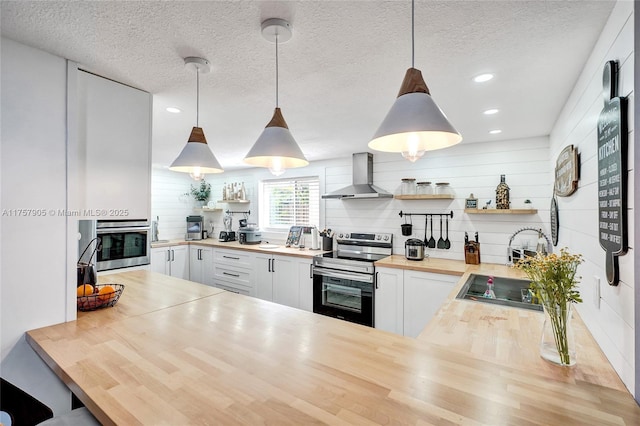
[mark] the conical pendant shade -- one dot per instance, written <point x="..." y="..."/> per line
<point x="415" y="123"/>
<point x="196" y="156"/>
<point x="276" y="148"/>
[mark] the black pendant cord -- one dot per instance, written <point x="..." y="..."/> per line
<point x="197" y="96"/>
<point x="277" y="103"/>
<point x="413" y="38"/>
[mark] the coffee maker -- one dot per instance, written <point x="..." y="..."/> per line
<point x="227" y="234"/>
<point x="194" y="228"/>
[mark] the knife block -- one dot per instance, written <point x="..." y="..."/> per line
<point x="472" y="253"/>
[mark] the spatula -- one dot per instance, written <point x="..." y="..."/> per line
<point x="432" y="241"/>
<point x="440" y="240"/>
<point x="447" y="243"/>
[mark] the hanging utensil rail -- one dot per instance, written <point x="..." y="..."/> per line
<point x="450" y="214"/>
<point x="248" y="212"/>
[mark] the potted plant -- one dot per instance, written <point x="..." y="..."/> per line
<point x="554" y="284"/>
<point x="201" y="192"/>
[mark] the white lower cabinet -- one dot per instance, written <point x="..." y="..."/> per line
<point x="305" y="284"/>
<point x="277" y="279"/>
<point x="388" y="300"/>
<point x="172" y="261"/>
<point x="233" y="271"/>
<point x="201" y="264"/>
<point x="424" y="293"/>
<point x="405" y="300"/>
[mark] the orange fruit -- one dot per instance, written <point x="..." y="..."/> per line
<point x="85" y="290"/>
<point x="106" y="294"/>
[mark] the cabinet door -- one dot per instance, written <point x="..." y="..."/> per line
<point x="305" y="285"/>
<point x="114" y="123"/>
<point x="206" y="259"/>
<point x="285" y="281"/>
<point x="424" y="293"/>
<point x="195" y="264"/>
<point x="160" y="260"/>
<point x="263" y="276"/>
<point x="180" y="262"/>
<point x="388" y="300"/>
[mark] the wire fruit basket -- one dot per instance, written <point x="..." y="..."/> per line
<point x="102" y="297"/>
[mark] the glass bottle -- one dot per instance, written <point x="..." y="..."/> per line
<point x="502" y="194"/>
<point x="243" y="192"/>
<point x="224" y="192"/>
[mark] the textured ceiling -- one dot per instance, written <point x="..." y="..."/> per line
<point x="340" y="72"/>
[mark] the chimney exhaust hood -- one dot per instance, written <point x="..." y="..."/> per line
<point x="362" y="187"/>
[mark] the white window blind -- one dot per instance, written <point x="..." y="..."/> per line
<point x="288" y="202"/>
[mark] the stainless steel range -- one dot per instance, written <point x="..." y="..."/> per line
<point x="344" y="280"/>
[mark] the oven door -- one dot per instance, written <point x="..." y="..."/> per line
<point x="344" y="295"/>
<point x="123" y="246"/>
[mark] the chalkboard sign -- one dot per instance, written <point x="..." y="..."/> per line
<point x="612" y="174"/>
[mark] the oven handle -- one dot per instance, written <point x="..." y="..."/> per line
<point x="332" y="273"/>
<point x="116" y="230"/>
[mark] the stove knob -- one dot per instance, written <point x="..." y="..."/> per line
<point x="386" y="237"/>
<point x="346" y="236"/>
<point x="378" y="237"/>
<point x="340" y="236"/>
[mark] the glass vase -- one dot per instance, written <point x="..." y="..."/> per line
<point x="557" y="344"/>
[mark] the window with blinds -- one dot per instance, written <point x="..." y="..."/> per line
<point x="288" y="202"/>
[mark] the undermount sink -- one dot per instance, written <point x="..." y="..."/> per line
<point x="507" y="291"/>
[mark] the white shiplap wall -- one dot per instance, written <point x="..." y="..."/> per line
<point x="610" y="317"/>
<point x="467" y="167"/>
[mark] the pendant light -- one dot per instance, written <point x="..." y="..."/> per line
<point x="276" y="148"/>
<point x="196" y="157"/>
<point x="415" y="123"/>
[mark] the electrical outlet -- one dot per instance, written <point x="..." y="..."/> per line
<point x="596" y="291"/>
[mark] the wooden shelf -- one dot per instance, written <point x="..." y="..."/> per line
<point x="424" y="197"/>
<point x="501" y="211"/>
<point x="235" y="201"/>
<point x="207" y="209"/>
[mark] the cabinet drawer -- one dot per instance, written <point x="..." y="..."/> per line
<point x="235" y="258"/>
<point x="234" y="288"/>
<point x="234" y="275"/>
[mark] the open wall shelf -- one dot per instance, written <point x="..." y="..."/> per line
<point x="424" y="197"/>
<point x="501" y="211"/>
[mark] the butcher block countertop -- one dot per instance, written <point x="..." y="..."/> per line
<point x="175" y="352"/>
<point x="235" y="245"/>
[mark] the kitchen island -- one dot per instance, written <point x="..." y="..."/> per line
<point x="176" y="352"/>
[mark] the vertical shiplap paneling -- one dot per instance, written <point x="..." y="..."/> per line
<point x="169" y="203"/>
<point x="610" y="317"/>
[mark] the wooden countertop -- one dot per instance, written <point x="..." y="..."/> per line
<point x="235" y="245"/>
<point x="195" y="355"/>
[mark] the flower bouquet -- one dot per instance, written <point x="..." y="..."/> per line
<point x="554" y="283"/>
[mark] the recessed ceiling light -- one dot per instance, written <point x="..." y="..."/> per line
<point x="495" y="132"/>
<point x="491" y="111"/>
<point x="482" y="78"/>
<point x="174" y="110"/>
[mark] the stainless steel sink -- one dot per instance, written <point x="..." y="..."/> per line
<point x="507" y="291"/>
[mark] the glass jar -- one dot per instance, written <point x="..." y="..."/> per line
<point x="443" y="188"/>
<point x="408" y="186"/>
<point x="424" y="188"/>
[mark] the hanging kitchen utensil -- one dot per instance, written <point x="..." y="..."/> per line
<point x="432" y="241"/>
<point x="426" y="220"/>
<point x="407" y="228"/>
<point x="447" y="243"/>
<point x="440" y="240"/>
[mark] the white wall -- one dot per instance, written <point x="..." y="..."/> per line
<point x="467" y="167"/>
<point x="168" y="202"/>
<point x="33" y="264"/>
<point x="612" y="323"/>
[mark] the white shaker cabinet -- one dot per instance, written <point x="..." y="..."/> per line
<point x="233" y="271"/>
<point x="114" y="149"/>
<point x="388" y="300"/>
<point x="424" y="293"/>
<point x="305" y="284"/>
<point x="172" y="261"/>
<point x="201" y="264"/>
<point x="277" y="279"/>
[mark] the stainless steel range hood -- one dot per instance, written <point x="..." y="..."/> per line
<point x="362" y="187"/>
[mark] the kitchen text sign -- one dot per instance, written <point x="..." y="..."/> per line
<point x="612" y="174"/>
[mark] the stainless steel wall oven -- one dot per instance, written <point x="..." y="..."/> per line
<point x="123" y="243"/>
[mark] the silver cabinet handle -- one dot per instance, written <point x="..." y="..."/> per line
<point x="173" y="255"/>
<point x="230" y="257"/>
<point x="168" y="255"/>
<point x="231" y="275"/>
<point x="311" y="270"/>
